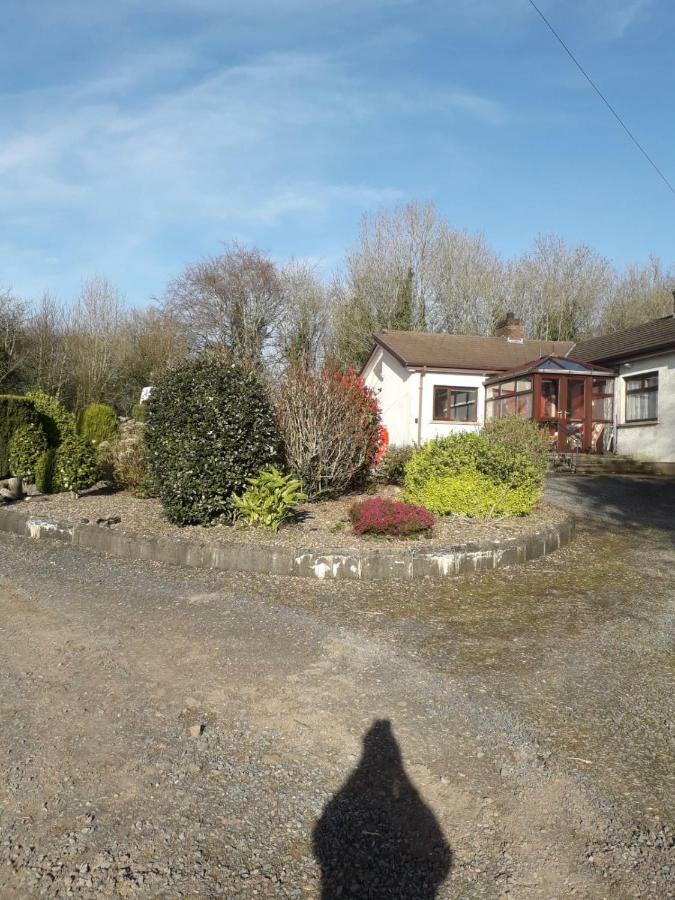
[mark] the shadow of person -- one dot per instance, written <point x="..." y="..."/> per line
<point x="376" y="838"/>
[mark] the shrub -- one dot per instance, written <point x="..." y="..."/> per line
<point x="14" y="413"/>
<point x="26" y="446"/>
<point x="519" y="435"/>
<point x="210" y="427"/>
<point x="128" y="459"/>
<point x="269" y="499"/>
<point x="97" y="423"/>
<point x="138" y="412"/>
<point x="392" y="467"/>
<point x="75" y="465"/>
<point x="44" y="471"/>
<point x="57" y="422"/>
<point x="389" y="517"/>
<point x="461" y="454"/>
<point x="329" y="430"/>
<point x="476" y="496"/>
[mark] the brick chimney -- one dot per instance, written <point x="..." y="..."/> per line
<point x="510" y="328"/>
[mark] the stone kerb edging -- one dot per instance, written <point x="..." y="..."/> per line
<point x="358" y="564"/>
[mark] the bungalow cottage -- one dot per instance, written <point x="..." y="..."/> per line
<point x="614" y="393"/>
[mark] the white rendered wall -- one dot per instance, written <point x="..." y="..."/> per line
<point x="656" y="442"/>
<point x="431" y="428"/>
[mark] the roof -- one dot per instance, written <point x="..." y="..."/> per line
<point x="418" y="349"/>
<point x="551" y="365"/>
<point x="659" y="334"/>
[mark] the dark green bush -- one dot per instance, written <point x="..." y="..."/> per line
<point x="75" y="465"/>
<point x="97" y="423"/>
<point x="44" y="471"/>
<point x="14" y="412"/>
<point x="26" y="446"/>
<point x="138" y="412"/>
<point x="392" y="466"/>
<point x="209" y="428"/>
<point x="432" y="473"/>
<point x="57" y="422"/>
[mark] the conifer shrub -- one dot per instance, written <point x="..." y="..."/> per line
<point x="209" y="428"/>
<point x="15" y="412"/>
<point x="97" y="423"/>
<point x="57" y="421"/>
<point x="26" y="446"/>
<point x="44" y="471"/>
<point x="75" y="465"/>
<point x="391" y="518"/>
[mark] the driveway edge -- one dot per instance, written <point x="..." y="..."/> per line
<point x="354" y="564"/>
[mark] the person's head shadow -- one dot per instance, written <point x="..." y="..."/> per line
<point x="376" y="838"/>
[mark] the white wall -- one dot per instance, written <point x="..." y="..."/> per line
<point x="397" y="390"/>
<point x="649" y="442"/>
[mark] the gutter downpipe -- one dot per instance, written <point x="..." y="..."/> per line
<point x="423" y="372"/>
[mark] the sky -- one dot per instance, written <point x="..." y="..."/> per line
<point x="136" y="137"/>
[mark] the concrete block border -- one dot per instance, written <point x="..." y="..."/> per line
<point x="356" y="564"/>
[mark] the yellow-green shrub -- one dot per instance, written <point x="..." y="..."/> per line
<point x="475" y="495"/>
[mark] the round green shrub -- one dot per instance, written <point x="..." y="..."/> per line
<point x="476" y="496"/>
<point x="75" y="465"/>
<point x="430" y="472"/>
<point x="15" y="411"/>
<point x="209" y="428"/>
<point x="26" y="446"/>
<point x="97" y="423"/>
<point x="44" y="471"/>
<point x="58" y="423"/>
<point x="519" y="435"/>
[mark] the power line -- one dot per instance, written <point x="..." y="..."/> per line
<point x="603" y="98"/>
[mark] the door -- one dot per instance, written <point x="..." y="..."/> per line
<point x="573" y="430"/>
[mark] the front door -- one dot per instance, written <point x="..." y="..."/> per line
<point x="573" y="415"/>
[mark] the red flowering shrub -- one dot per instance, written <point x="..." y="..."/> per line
<point x="389" y="517"/>
<point x="329" y="427"/>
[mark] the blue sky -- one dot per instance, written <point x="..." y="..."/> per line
<point x="136" y="136"/>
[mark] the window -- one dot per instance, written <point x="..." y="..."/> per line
<point x="642" y="395"/>
<point x="454" y="404"/>
<point x="603" y="399"/>
<point x="510" y="398"/>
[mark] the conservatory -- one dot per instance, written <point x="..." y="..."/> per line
<point x="573" y="402"/>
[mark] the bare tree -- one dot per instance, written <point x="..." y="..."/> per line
<point x="12" y="344"/>
<point x="303" y="325"/>
<point x="46" y="355"/>
<point x="641" y="293"/>
<point x="559" y="290"/>
<point x="230" y="302"/>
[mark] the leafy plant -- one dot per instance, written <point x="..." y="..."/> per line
<point x="476" y="496"/>
<point x="75" y="465"/>
<point x="519" y="435"/>
<point x="270" y="499"/>
<point x="26" y="446"/>
<point x="57" y="421"/>
<point x="97" y="423"/>
<point x="430" y="473"/>
<point x="44" y="471"/>
<point x="391" y="469"/>
<point x="329" y="426"/>
<point x="14" y="413"/>
<point x="209" y="428"/>
<point x="389" y="517"/>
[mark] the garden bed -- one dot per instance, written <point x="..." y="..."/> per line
<point x="320" y="526"/>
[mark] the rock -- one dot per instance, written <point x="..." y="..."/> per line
<point x="197" y="730"/>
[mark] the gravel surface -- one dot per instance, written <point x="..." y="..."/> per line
<point x="166" y="733"/>
<point x="320" y="526"/>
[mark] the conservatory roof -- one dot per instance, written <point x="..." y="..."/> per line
<point x="550" y="365"/>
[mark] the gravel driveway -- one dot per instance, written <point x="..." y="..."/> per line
<point x="167" y="733"/>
